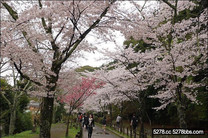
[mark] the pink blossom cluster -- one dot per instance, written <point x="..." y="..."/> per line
<point x="76" y="95"/>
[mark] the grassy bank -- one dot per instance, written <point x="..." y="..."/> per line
<point x="25" y="134"/>
<point x="57" y="131"/>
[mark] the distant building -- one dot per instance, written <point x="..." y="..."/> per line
<point x="33" y="107"/>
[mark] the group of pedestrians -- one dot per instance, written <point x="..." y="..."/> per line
<point x="87" y="123"/>
<point x="133" y="123"/>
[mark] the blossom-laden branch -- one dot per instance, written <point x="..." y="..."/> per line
<point x="40" y="43"/>
<point x="76" y="95"/>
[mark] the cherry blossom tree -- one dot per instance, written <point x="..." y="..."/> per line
<point x="39" y="44"/>
<point x="39" y="38"/>
<point x="121" y="85"/>
<point x="112" y="93"/>
<point x="178" y="53"/>
<point x="75" y="95"/>
<point x="181" y="51"/>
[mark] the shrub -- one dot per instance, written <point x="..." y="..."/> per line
<point x="23" y="122"/>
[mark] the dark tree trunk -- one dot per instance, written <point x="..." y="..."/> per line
<point x="0" y="129"/>
<point x="181" y="107"/>
<point x="181" y="115"/>
<point x="34" y="129"/>
<point x="141" y="132"/>
<point x="67" y="127"/>
<point x="181" y="110"/>
<point x="142" y="110"/>
<point x="111" y="115"/>
<point x="46" y="116"/>
<point x="54" y="113"/>
<point x="13" y="113"/>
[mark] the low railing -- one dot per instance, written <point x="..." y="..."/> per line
<point x="127" y="131"/>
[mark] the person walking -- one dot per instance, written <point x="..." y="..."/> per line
<point x="118" y="121"/>
<point x="86" y="121"/>
<point x="134" y="123"/>
<point x="80" y="118"/>
<point x="104" y="124"/>
<point x="90" y="125"/>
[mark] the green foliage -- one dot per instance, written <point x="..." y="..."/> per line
<point x="3" y="83"/>
<point x="4" y="107"/>
<point x="138" y="45"/>
<point x="110" y="65"/>
<point x="85" y="68"/>
<point x="5" y="87"/>
<point x="59" y="113"/>
<point x="187" y="13"/>
<point x="25" y="134"/>
<point x="23" y="102"/>
<point x="179" y="69"/>
<point x="23" y="122"/>
<point x="22" y="83"/>
<point x="72" y="132"/>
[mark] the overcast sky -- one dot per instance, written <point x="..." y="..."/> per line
<point x="95" y="58"/>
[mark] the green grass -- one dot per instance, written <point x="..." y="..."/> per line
<point x="57" y="131"/>
<point x="72" y="132"/>
<point x="25" y="134"/>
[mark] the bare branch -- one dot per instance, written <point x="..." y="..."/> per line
<point x="169" y="4"/>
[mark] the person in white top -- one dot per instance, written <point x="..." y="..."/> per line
<point x="90" y="125"/>
<point x="118" y="120"/>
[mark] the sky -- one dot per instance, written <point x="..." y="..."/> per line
<point x="95" y="59"/>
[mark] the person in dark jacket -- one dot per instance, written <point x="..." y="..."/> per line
<point x="86" y="119"/>
<point x="90" y="125"/>
<point x="134" y="123"/>
<point x="104" y="123"/>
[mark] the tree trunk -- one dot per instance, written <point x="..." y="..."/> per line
<point x="67" y="127"/>
<point x="181" y="115"/>
<point x="12" y="121"/>
<point x="13" y="112"/>
<point x="34" y="129"/>
<point x="54" y="114"/>
<point x="142" y="110"/>
<point x="111" y="115"/>
<point x="141" y="132"/>
<point x="0" y="129"/>
<point x="150" y="122"/>
<point x="46" y="115"/>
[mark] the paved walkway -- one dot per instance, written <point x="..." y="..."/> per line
<point x="99" y="133"/>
